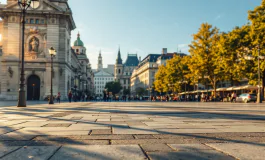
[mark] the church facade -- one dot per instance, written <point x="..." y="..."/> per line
<point x="48" y="24"/>
<point x="123" y="71"/>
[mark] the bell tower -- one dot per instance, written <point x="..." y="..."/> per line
<point x="100" y="63"/>
<point x="118" y="67"/>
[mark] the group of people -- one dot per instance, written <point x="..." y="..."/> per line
<point x="77" y="97"/>
<point x="196" y="97"/>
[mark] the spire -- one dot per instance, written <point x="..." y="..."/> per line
<point x="78" y="35"/>
<point x="99" y="53"/>
<point x="100" y="61"/>
<point x="119" y="60"/>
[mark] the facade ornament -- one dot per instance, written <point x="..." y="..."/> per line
<point x="34" y="30"/>
<point x="34" y="44"/>
<point x="10" y="71"/>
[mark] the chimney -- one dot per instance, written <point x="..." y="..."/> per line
<point x="164" y="51"/>
<point x="140" y="59"/>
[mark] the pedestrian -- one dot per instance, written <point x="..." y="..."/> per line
<point x="203" y="97"/>
<point x="233" y="97"/>
<point x="59" y="97"/>
<point x="70" y="96"/>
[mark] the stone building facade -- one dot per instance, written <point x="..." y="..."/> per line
<point x="49" y="24"/>
<point x="102" y="76"/>
<point x="143" y="75"/>
<point x="123" y="71"/>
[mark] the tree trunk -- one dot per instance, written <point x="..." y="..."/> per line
<point x="263" y="83"/>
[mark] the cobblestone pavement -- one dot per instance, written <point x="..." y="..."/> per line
<point x="130" y="131"/>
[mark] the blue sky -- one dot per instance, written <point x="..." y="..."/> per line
<point x="147" y="26"/>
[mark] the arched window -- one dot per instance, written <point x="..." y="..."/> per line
<point x="119" y="71"/>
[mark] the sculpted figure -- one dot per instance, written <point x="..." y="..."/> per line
<point x="34" y="45"/>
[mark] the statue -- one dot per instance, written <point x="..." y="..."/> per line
<point x="34" y="45"/>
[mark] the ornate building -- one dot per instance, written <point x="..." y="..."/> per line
<point x="102" y="76"/>
<point x="123" y="72"/>
<point x="48" y="24"/>
<point x="144" y="74"/>
<point x="82" y="75"/>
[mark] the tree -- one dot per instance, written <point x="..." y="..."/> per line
<point x="176" y="71"/>
<point x="160" y="82"/>
<point x="114" y="87"/>
<point x="140" y="91"/>
<point x="204" y="54"/>
<point x="231" y="53"/>
<point x="126" y="92"/>
<point x="257" y="18"/>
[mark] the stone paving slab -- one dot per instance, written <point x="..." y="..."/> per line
<point x="5" y="150"/>
<point x="4" y="130"/>
<point x="96" y="152"/>
<point x="32" y="124"/>
<point x="57" y="125"/>
<point x="133" y="131"/>
<point x="189" y="147"/>
<point x="86" y="137"/>
<point x="101" y="131"/>
<point x="32" y="152"/>
<point x="156" y="148"/>
<point x="16" y="138"/>
<point x="139" y="136"/>
<point x="183" y="155"/>
<point x="241" y="151"/>
<point x="55" y="142"/>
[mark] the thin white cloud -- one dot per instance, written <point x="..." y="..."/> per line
<point x="219" y="16"/>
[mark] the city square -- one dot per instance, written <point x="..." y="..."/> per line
<point x="133" y="130"/>
<point x="132" y="79"/>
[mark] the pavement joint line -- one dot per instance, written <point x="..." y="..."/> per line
<point x="172" y="148"/>
<point x="55" y="152"/>
<point x="145" y="153"/>
<point x="11" y="152"/>
<point x="221" y="151"/>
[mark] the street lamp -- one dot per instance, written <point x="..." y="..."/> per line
<point x="24" y="5"/>
<point x="249" y="57"/>
<point x="52" y="52"/>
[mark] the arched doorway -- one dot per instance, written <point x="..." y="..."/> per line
<point x="33" y="88"/>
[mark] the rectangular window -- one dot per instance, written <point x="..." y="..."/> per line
<point x="42" y="21"/>
<point x="31" y="21"/>
<point x="27" y="20"/>
<point x="124" y="81"/>
<point x="37" y="21"/>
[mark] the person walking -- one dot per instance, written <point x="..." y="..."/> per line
<point x="70" y="96"/>
<point x="203" y="97"/>
<point x="59" y="97"/>
<point x="233" y="97"/>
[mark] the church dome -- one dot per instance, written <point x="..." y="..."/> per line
<point x="78" y="42"/>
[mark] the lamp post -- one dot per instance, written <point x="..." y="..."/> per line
<point x="248" y="57"/>
<point x="52" y="52"/>
<point x="24" y="5"/>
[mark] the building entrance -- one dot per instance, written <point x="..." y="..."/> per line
<point x="33" y="88"/>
